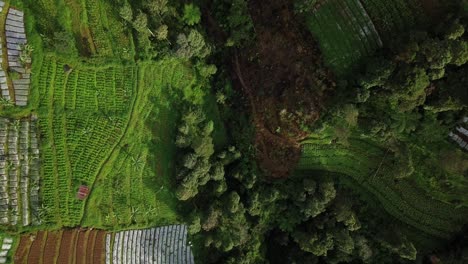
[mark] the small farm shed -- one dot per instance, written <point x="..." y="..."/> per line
<point x="83" y="192"/>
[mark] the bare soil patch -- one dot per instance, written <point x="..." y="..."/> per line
<point x="67" y="246"/>
<point x="80" y="249"/>
<point x="65" y="252"/>
<point x="51" y="247"/>
<point x="99" y="252"/>
<point x="90" y="247"/>
<point x="286" y="84"/>
<point x="21" y="255"/>
<point x="35" y="252"/>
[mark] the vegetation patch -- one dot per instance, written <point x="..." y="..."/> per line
<point x="83" y="112"/>
<point x="135" y="186"/>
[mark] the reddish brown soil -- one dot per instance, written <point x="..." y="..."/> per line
<point x="51" y="247"/>
<point x="35" y="252"/>
<point x="100" y="248"/>
<point x="285" y="84"/>
<point x="22" y="251"/>
<point x="80" y="249"/>
<point x="65" y="252"/>
<point x="90" y="247"/>
<point x="75" y="246"/>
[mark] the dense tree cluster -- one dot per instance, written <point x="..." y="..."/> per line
<point x="163" y="27"/>
<point x="198" y="163"/>
<point x="233" y="212"/>
<point x="235" y="21"/>
<point x="311" y="219"/>
<point x="407" y="99"/>
<point x="405" y="82"/>
<point x="404" y="99"/>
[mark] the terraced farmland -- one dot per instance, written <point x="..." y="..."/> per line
<point x="393" y="17"/>
<point x="84" y="111"/>
<point x="101" y="40"/>
<point x="349" y="31"/>
<point x="136" y="185"/>
<point x="362" y="161"/>
<point x="19" y="172"/>
<point x="166" y="244"/>
<point x="345" y="32"/>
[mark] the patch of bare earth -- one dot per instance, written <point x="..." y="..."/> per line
<point x="35" y="252"/>
<point x="99" y="248"/>
<point x="286" y="84"/>
<point x="22" y="252"/>
<point x="51" y="247"/>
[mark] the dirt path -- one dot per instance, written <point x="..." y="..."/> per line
<point x="285" y="84"/>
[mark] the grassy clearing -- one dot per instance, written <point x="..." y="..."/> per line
<point x="135" y="186"/>
<point x="364" y="163"/>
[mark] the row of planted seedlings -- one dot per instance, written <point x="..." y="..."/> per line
<point x="392" y="195"/>
<point x="364" y="25"/>
<point x="49" y="188"/>
<point x="350" y="27"/>
<point x="391" y="17"/>
<point x="59" y="82"/>
<point x="400" y="209"/>
<point x="341" y="48"/>
<point x="436" y="215"/>
<point x="46" y="79"/>
<point x="70" y="214"/>
<point x="99" y="89"/>
<point x="100" y="37"/>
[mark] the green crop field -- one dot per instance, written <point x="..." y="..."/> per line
<point x="134" y="186"/>
<point x="102" y="123"/>
<point x="364" y="163"/>
<point x="82" y="114"/>
<point x="350" y="31"/>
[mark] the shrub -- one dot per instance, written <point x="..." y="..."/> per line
<point x="192" y="45"/>
<point x="192" y="14"/>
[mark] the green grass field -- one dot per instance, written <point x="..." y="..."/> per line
<point x="111" y="128"/>
<point x="135" y="186"/>
<point x="350" y="31"/>
<point x="364" y="163"/>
